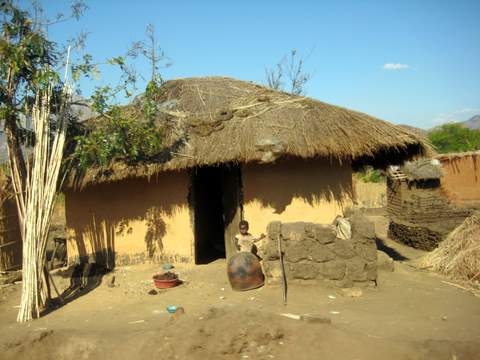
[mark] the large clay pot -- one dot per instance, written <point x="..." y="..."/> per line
<point x="245" y="272"/>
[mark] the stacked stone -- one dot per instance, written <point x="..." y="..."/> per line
<point x="313" y="253"/>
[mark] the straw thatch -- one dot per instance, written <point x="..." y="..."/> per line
<point x="422" y="169"/>
<point x="216" y="120"/>
<point x="458" y="256"/>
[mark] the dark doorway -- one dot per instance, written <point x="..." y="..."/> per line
<point x="216" y="206"/>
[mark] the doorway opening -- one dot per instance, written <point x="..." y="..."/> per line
<point x="216" y="205"/>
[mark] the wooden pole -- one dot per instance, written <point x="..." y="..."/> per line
<point x="282" y="266"/>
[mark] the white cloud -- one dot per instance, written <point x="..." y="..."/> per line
<point x="395" y="66"/>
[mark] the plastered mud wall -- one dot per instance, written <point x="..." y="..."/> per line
<point x="312" y="253"/>
<point x="461" y="180"/>
<point x="137" y="220"/>
<point x="315" y="190"/>
<point x="131" y="221"/>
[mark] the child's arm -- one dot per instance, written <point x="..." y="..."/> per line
<point x="257" y="239"/>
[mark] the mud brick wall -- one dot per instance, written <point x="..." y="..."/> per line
<point x="313" y="253"/>
<point x="420" y="214"/>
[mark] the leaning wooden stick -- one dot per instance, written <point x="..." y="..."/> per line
<point x="282" y="266"/>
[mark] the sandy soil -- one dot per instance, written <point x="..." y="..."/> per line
<point x="411" y="314"/>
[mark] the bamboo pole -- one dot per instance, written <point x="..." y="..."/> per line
<point x="36" y="202"/>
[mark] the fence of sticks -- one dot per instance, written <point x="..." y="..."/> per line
<point x="10" y="239"/>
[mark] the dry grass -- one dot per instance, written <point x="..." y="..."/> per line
<point x="458" y="256"/>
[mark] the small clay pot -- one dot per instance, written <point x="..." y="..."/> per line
<point x="165" y="280"/>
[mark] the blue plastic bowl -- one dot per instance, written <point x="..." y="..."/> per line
<point x="167" y="266"/>
<point x="171" y="309"/>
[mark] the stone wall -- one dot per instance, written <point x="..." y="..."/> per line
<point x="420" y="214"/>
<point x="312" y="253"/>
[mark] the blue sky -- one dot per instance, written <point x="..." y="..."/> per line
<point x="408" y="62"/>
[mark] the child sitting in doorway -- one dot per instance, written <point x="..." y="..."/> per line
<point x="245" y="241"/>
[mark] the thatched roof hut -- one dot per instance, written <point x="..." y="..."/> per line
<point x="217" y="120"/>
<point x="234" y="150"/>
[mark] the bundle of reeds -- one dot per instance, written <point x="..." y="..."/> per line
<point x="458" y="256"/>
<point x="36" y="203"/>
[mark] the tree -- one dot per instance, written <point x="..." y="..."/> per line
<point x="31" y="86"/>
<point x="454" y="138"/>
<point x="29" y="69"/>
<point x="151" y="51"/>
<point x="29" y="62"/>
<point x="292" y="68"/>
<point x="128" y="134"/>
<point x="29" y="79"/>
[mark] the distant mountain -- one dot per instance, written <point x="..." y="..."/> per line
<point x="472" y="123"/>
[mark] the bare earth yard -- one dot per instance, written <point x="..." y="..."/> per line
<point x="411" y="314"/>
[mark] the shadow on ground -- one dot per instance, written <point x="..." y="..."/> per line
<point x="393" y="253"/>
<point x="84" y="278"/>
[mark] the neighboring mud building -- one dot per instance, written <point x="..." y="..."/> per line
<point x="236" y="150"/>
<point x="461" y="180"/>
<point x="427" y="199"/>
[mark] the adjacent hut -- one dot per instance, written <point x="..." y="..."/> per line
<point x="10" y="239"/>
<point x="420" y="213"/>
<point x="234" y="150"/>
<point x="461" y="180"/>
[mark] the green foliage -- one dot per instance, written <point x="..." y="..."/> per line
<point x="27" y="58"/>
<point x="123" y="136"/>
<point x="150" y="103"/>
<point x="120" y="138"/>
<point x="454" y="138"/>
<point x="29" y="61"/>
<point x="370" y="175"/>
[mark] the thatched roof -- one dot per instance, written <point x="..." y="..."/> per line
<point x="422" y="169"/>
<point x="216" y="120"/>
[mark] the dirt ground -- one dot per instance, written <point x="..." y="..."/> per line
<point x="411" y="314"/>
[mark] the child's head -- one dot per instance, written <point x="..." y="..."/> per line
<point x="243" y="227"/>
